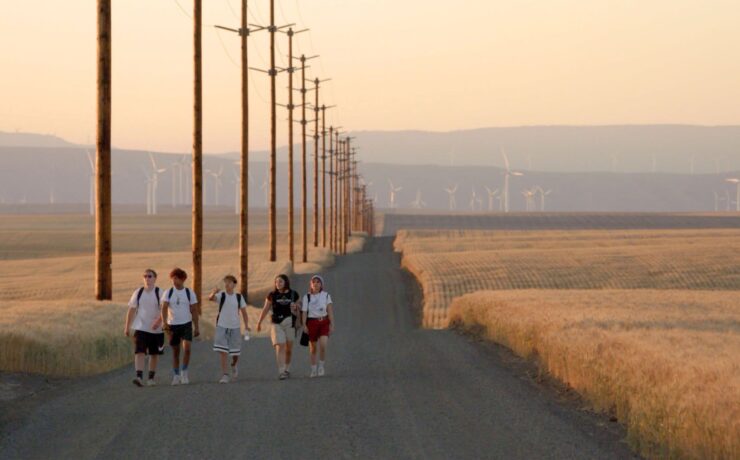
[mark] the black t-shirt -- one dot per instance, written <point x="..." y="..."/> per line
<point x="281" y="304"/>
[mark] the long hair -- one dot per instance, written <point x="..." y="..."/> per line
<point x="283" y="277"/>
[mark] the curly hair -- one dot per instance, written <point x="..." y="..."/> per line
<point x="178" y="273"/>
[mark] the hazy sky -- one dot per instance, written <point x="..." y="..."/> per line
<point x="401" y="64"/>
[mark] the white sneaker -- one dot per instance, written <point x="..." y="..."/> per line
<point x="137" y="382"/>
<point x="176" y="379"/>
<point x="321" y="371"/>
<point x="185" y="380"/>
<point x="224" y="379"/>
<point x="234" y="372"/>
<point x="313" y="372"/>
<point x="151" y="383"/>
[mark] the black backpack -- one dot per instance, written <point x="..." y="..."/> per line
<point x="223" y="300"/>
<point x="156" y="292"/>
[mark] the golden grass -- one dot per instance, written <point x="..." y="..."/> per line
<point x="49" y="323"/>
<point x="664" y="362"/>
<point x="449" y="264"/>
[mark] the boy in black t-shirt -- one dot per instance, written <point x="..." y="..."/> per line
<point x="284" y="303"/>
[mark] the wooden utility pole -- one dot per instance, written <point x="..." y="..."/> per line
<point x="103" y="232"/>
<point x="197" y="152"/>
<point x="337" y="199"/>
<point x="273" y="139"/>
<point x="304" y="199"/>
<point x="331" y="187"/>
<point x="244" y="170"/>
<point x="324" y="175"/>
<point x="316" y="166"/>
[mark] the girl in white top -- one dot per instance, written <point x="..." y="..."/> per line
<point x="318" y="320"/>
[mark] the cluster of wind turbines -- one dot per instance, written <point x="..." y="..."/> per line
<point x="727" y="198"/>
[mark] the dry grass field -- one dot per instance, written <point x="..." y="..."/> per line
<point x="666" y="363"/>
<point x="451" y="263"/>
<point x="49" y="323"/>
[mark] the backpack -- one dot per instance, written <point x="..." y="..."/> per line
<point x="156" y="292"/>
<point x="172" y="290"/>
<point x="223" y="300"/>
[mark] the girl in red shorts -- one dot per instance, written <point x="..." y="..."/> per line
<point x="318" y="320"/>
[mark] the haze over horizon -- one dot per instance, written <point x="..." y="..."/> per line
<point x="394" y="66"/>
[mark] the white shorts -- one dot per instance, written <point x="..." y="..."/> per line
<point x="228" y="340"/>
<point x="283" y="332"/>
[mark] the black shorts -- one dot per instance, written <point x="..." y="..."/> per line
<point x="149" y="343"/>
<point x="180" y="332"/>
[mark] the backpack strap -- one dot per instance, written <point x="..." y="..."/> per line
<point x="187" y="293"/>
<point x="220" y="305"/>
<point x="238" y="300"/>
<point x="138" y="295"/>
<point x="169" y="294"/>
<point x="156" y="292"/>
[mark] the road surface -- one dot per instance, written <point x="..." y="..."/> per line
<point x="392" y="390"/>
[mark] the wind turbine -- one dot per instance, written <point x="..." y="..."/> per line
<point x="149" y="185"/>
<point x="451" y="192"/>
<point x="418" y="203"/>
<point x="237" y="195"/>
<point x="717" y="200"/>
<point x="473" y="199"/>
<point x="529" y="199"/>
<point x="543" y="194"/>
<point x="736" y="181"/>
<point x="92" y="182"/>
<point x="155" y="177"/>
<point x="392" y="194"/>
<point x="217" y="183"/>
<point x="491" y="195"/>
<point x="508" y="172"/>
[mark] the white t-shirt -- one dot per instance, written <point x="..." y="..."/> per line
<point x="178" y="311"/>
<point x="229" y="316"/>
<point x="148" y="312"/>
<point x="316" y="308"/>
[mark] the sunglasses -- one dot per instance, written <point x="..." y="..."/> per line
<point x="148" y="276"/>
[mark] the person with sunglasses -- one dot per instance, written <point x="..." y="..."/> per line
<point x="144" y="313"/>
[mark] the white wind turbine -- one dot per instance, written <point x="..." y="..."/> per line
<point x="451" y="192"/>
<point x="264" y="190"/>
<point x="529" y="198"/>
<point x="418" y="203"/>
<point x="155" y="178"/>
<point x="149" y="185"/>
<point x="392" y="194"/>
<point x="217" y="183"/>
<point x="507" y="173"/>
<point x="92" y="182"/>
<point x="543" y="194"/>
<point x="473" y="199"/>
<point x="491" y="195"/>
<point x="736" y="181"/>
<point x="717" y="200"/>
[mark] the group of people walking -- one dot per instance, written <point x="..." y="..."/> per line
<point x="152" y="314"/>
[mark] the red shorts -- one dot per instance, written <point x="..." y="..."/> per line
<point x="318" y="328"/>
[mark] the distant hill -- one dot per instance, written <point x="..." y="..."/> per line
<point x="629" y="148"/>
<point x="31" y="140"/>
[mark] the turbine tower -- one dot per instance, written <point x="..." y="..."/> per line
<point x="543" y="194"/>
<point x="736" y="181"/>
<point x="507" y="173"/>
<point x="154" y="178"/>
<point x="491" y="195"/>
<point x="217" y="183"/>
<point x="451" y="192"/>
<point x="418" y="203"/>
<point x="392" y="194"/>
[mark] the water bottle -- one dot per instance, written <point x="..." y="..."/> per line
<point x="246" y="336"/>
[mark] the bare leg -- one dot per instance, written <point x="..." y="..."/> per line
<point x="323" y="342"/>
<point x="234" y="360"/>
<point x="288" y="353"/>
<point x="312" y="348"/>
<point x="280" y="356"/>
<point x="176" y="357"/>
<point x="153" y="359"/>
<point x="186" y="354"/>
<point x="224" y="362"/>
<point x="139" y="361"/>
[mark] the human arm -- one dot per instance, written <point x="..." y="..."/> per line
<point x="212" y="295"/>
<point x="330" y="312"/>
<point x="130" y="314"/>
<point x="263" y="313"/>
<point x="245" y="317"/>
<point x="163" y="315"/>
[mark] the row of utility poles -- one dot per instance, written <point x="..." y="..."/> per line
<point x="349" y="209"/>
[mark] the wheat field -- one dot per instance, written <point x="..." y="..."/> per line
<point x="665" y="362"/>
<point x="49" y="322"/>
<point x="449" y="264"/>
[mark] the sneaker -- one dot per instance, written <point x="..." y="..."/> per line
<point x="151" y="383"/>
<point x="321" y="371"/>
<point x="176" y="379"/>
<point x="224" y="379"/>
<point x="282" y="376"/>
<point x="234" y="372"/>
<point x="137" y="381"/>
<point x="287" y="372"/>
<point x="313" y="373"/>
<point x="185" y="380"/>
